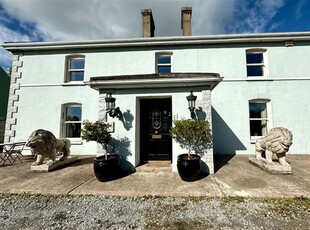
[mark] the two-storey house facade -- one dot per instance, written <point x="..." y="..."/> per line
<point x="245" y="85"/>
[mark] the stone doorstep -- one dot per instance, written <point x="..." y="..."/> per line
<point x="158" y="164"/>
<point x="273" y="169"/>
<point x="58" y="164"/>
<point x="155" y="166"/>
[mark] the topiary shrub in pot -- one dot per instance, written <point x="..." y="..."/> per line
<point x="106" y="167"/>
<point x="190" y="134"/>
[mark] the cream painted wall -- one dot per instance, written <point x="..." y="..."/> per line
<point x="230" y="62"/>
<point x="41" y="108"/>
<point x="119" y="63"/>
<point x="231" y="113"/>
<point x="289" y="62"/>
<point x="39" y="104"/>
<point x="43" y="69"/>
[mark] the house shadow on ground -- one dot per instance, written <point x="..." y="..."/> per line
<point x="122" y="148"/>
<point x="225" y="141"/>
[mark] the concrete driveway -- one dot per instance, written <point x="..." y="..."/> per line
<point x="234" y="176"/>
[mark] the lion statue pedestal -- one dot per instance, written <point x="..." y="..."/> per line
<point x="276" y="142"/>
<point x="44" y="144"/>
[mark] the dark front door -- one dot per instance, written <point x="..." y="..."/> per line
<point x="156" y="121"/>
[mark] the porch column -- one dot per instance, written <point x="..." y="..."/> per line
<point x="205" y="105"/>
<point x="101" y="116"/>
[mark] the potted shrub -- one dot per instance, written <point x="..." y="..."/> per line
<point x="106" y="167"/>
<point x="191" y="135"/>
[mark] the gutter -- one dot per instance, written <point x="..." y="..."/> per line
<point x="163" y="41"/>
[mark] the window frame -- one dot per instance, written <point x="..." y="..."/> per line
<point x="268" y="119"/>
<point x="65" y="122"/>
<point x="158" y="65"/>
<point x="263" y="64"/>
<point x="69" y="70"/>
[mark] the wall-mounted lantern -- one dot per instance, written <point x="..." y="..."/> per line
<point x="110" y="106"/>
<point x="191" y="99"/>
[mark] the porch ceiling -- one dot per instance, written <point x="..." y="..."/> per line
<point x="145" y="81"/>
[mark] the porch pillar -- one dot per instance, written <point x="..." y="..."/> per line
<point x="207" y="158"/>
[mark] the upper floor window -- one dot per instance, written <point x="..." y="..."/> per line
<point x="256" y="63"/>
<point x="75" y="68"/>
<point x="72" y="120"/>
<point x="164" y="63"/>
<point x="259" y="117"/>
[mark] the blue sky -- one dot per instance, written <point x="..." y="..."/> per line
<point x="78" y="20"/>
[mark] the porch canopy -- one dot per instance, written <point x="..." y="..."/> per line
<point x="152" y="81"/>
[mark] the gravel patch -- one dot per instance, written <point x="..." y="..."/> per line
<point x="102" y="212"/>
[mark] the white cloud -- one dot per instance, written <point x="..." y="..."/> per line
<point x="254" y="16"/>
<point x="299" y="5"/>
<point x="211" y="17"/>
<point x="9" y="35"/>
<point x="49" y="20"/>
<point x="95" y="19"/>
<point x="103" y="19"/>
<point x="79" y="19"/>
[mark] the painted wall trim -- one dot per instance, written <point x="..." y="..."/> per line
<point x="267" y="79"/>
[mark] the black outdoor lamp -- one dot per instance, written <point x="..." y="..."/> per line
<point x="110" y="106"/>
<point x="191" y="99"/>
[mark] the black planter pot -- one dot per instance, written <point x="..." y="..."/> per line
<point x="106" y="170"/>
<point x="189" y="169"/>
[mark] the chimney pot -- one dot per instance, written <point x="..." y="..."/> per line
<point x="186" y="21"/>
<point x="148" y="26"/>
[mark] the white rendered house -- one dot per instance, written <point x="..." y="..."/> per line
<point x="245" y="85"/>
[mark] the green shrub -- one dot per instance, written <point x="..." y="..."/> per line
<point x="191" y="134"/>
<point x="97" y="131"/>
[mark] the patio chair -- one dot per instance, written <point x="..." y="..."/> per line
<point x="13" y="151"/>
<point x="1" y="155"/>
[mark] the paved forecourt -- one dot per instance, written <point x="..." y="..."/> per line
<point x="234" y="176"/>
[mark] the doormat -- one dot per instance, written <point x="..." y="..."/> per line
<point x="158" y="164"/>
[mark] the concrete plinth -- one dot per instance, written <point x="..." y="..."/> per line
<point x="58" y="164"/>
<point x="273" y="169"/>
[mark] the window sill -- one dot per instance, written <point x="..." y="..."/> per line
<point x="254" y="139"/>
<point x="258" y="79"/>
<point x="74" y="83"/>
<point x="75" y="141"/>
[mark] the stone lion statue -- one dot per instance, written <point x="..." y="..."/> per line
<point x="278" y="142"/>
<point x="44" y="144"/>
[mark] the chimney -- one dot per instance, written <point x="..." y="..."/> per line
<point x="186" y="21"/>
<point x="148" y="26"/>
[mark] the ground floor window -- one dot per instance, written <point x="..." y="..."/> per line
<point x="258" y="110"/>
<point x="72" y="120"/>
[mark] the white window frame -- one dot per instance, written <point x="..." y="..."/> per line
<point x="68" y="70"/>
<point x="65" y="122"/>
<point x="268" y="119"/>
<point x="263" y="64"/>
<point x="160" y="54"/>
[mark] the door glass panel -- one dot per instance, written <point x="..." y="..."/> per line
<point x="156" y="119"/>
